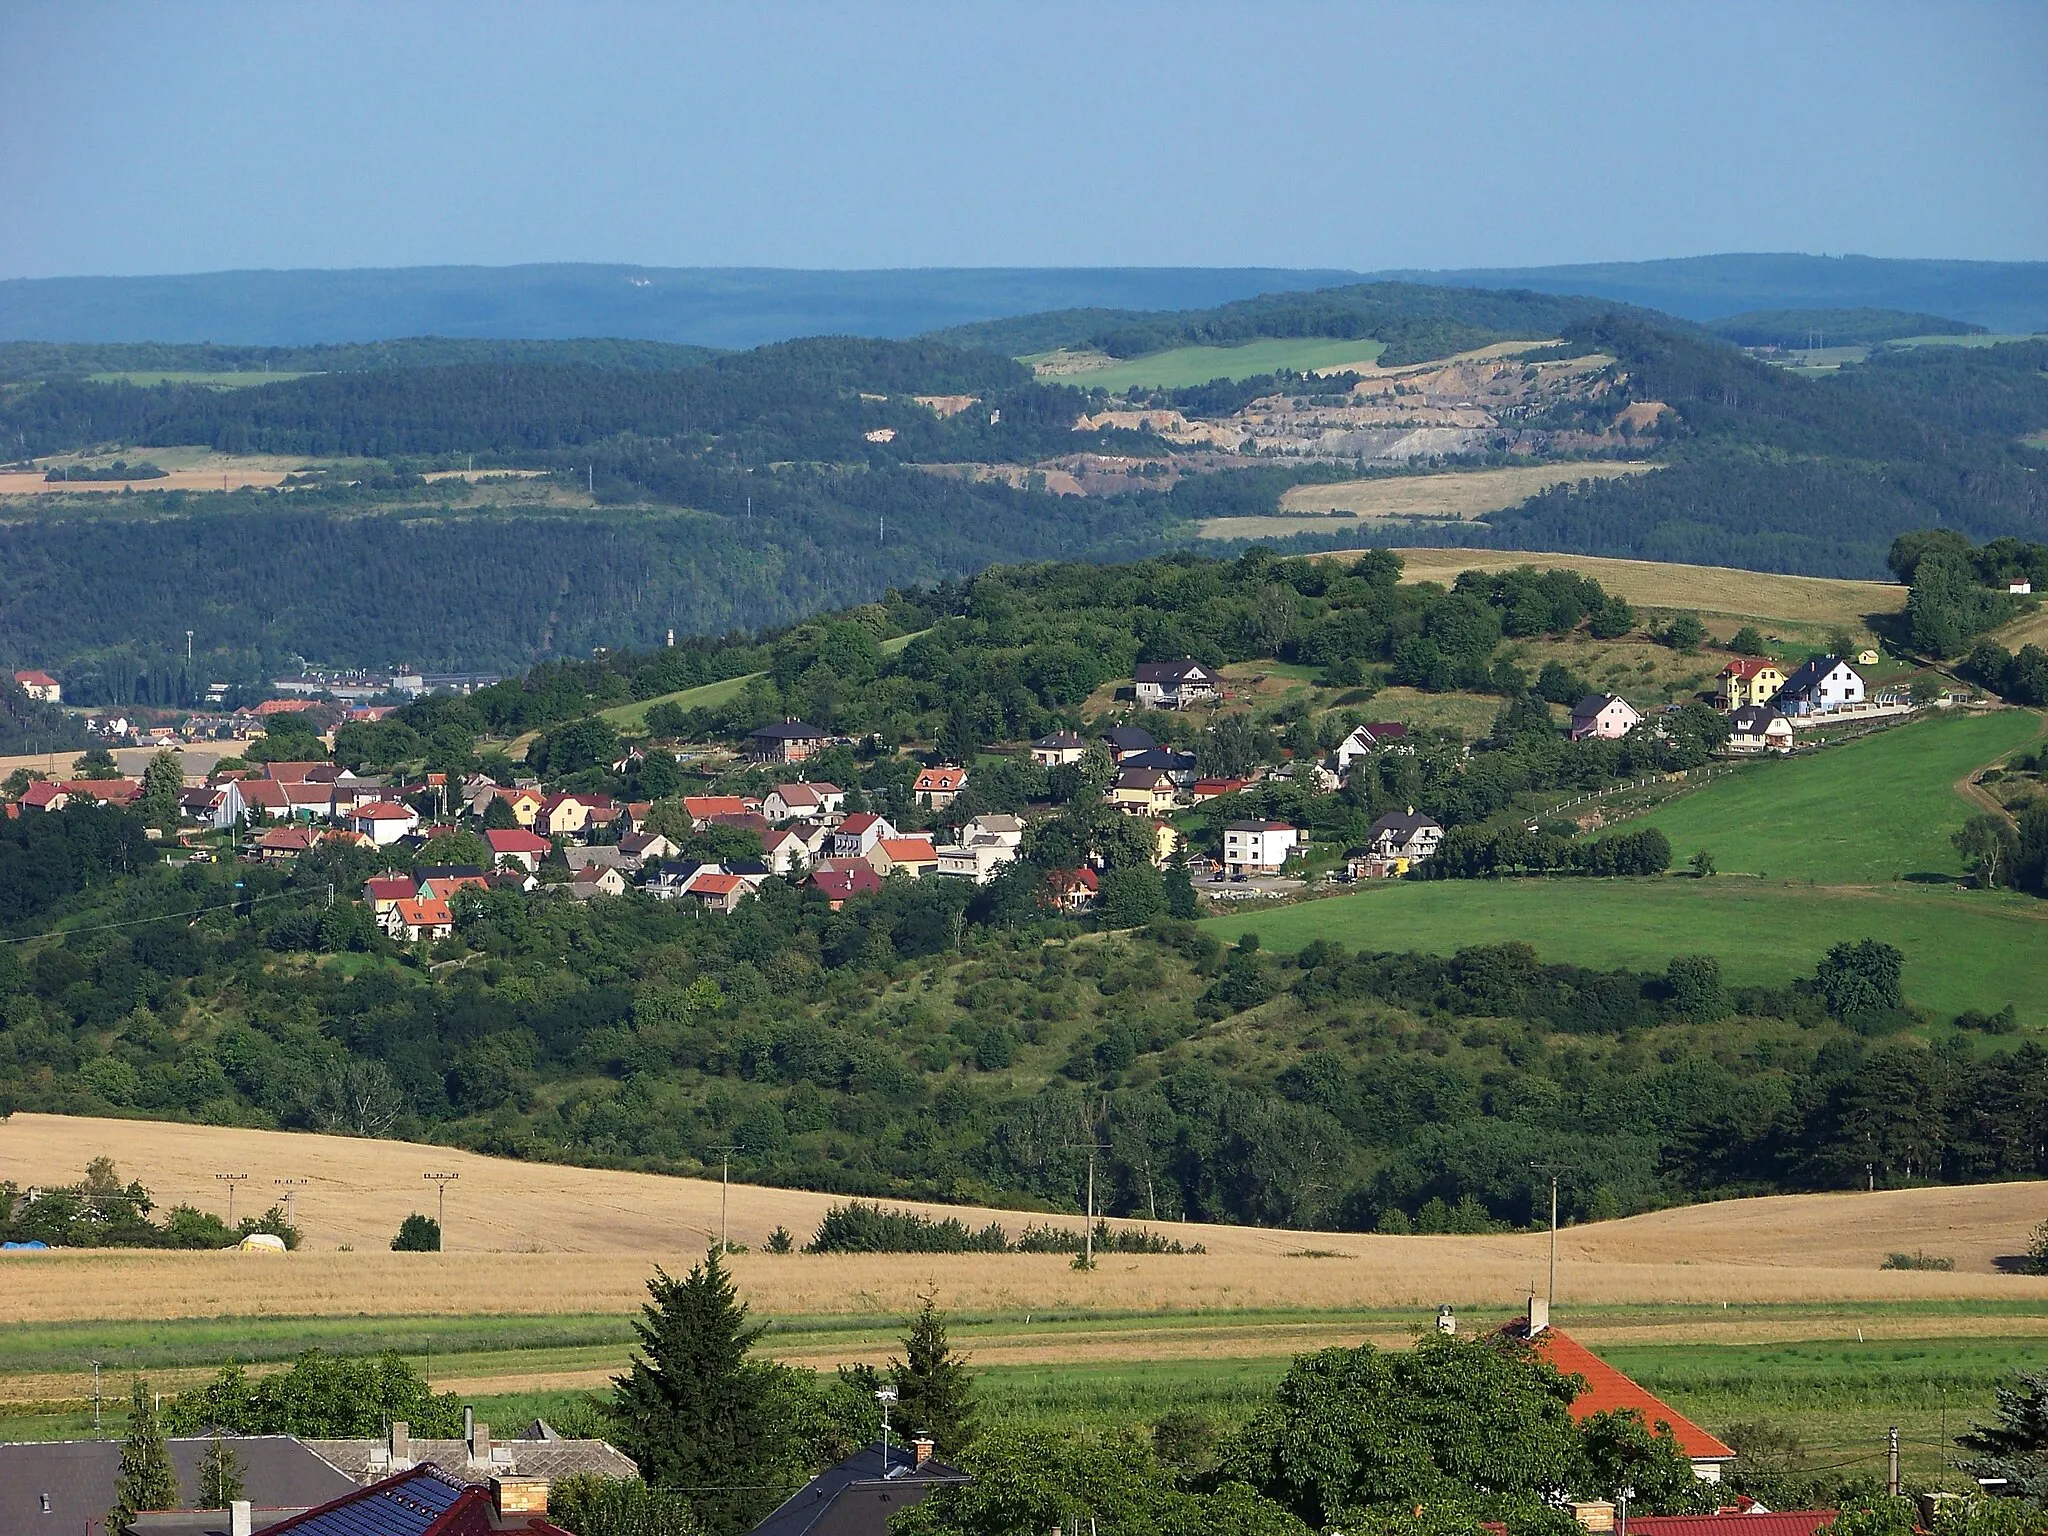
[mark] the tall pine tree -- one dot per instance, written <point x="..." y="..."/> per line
<point x="934" y="1388"/>
<point x="147" y="1478"/>
<point x="694" y="1411"/>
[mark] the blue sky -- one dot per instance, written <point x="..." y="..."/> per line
<point x="193" y="137"/>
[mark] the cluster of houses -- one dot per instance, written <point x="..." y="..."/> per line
<point x="1764" y="703"/>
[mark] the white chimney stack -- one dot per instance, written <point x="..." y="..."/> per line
<point x="1539" y="1313"/>
<point x="239" y="1521"/>
<point x="1446" y="1320"/>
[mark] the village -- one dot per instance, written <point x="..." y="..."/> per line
<point x="590" y="845"/>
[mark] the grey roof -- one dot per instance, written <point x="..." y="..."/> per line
<point x="79" y="1477"/>
<point x="1129" y="738"/>
<point x="1592" y="704"/>
<point x="1170" y="671"/>
<point x="857" y="1497"/>
<point x="1752" y="718"/>
<point x="1407" y="823"/>
<point x="1811" y="672"/>
<point x="788" y="730"/>
<point x="1163" y="758"/>
<point x="508" y="1458"/>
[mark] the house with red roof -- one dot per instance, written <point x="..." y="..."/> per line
<point x="419" y="917"/>
<point x="384" y="823"/>
<point x="518" y="845"/>
<point x="702" y="808"/>
<point x="280" y="843"/>
<point x="1753" y="1521"/>
<point x="383" y="892"/>
<point x="1607" y="1389"/>
<point x="855" y="837"/>
<point x="1072" y="890"/>
<point x="45" y="795"/>
<point x="265" y="799"/>
<point x="843" y="879"/>
<point x="720" y="892"/>
<point x="937" y="788"/>
<point x="40" y="686"/>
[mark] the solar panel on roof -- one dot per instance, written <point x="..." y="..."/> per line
<point x="405" y="1508"/>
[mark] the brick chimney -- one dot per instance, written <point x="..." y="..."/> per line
<point x="520" y="1495"/>
<point x="923" y="1445"/>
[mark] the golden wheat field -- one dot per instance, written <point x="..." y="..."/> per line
<point x="1460" y="493"/>
<point x="1712" y="590"/>
<point x="538" y="1238"/>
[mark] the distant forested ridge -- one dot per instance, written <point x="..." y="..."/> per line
<point x="1415" y="321"/>
<point x="44" y="359"/>
<point x="1777" y="472"/>
<point x="1833" y="327"/>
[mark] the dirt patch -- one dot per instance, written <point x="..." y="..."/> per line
<point x="32" y="483"/>
<point x="946" y="405"/>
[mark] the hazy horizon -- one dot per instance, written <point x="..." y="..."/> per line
<point x="220" y="137"/>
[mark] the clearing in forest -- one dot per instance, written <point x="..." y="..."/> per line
<point x="1182" y="367"/>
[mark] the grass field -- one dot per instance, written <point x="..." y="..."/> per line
<point x="632" y="718"/>
<point x="1905" y="805"/>
<point x="1964" y="949"/>
<point x="1184" y="366"/>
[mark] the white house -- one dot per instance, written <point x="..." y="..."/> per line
<point x="1403" y="838"/>
<point x="1823" y="684"/>
<point x="383" y="822"/>
<point x="1759" y="728"/>
<point x="803" y="802"/>
<point x="997" y="826"/>
<point x="1257" y="847"/>
<point x="855" y="837"/>
<point x="937" y="788"/>
<point x="1606" y="716"/>
<point x="1175" y="684"/>
<point x="41" y="687"/>
<point x="1367" y="740"/>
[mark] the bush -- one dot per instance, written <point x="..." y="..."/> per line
<point x="417" y="1234"/>
<point x="1918" y="1260"/>
<point x="862" y="1228"/>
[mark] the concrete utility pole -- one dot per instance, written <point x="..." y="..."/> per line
<point x="441" y="1181"/>
<point x="1891" y="1462"/>
<point x="290" y="1186"/>
<point x="724" y="1199"/>
<point x="1553" y="1169"/>
<point x="231" y="1180"/>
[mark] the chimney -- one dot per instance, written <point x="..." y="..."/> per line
<point x="1596" y="1515"/>
<point x="469" y="1427"/>
<point x="1539" y="1313"/>
<point x="923" y="1446"/>
<point x="519" y="1495"/>
<point x="401" y="1442"/>
<point x="1446" y="1320"/>
<point x="239" y="1523"/>
<point x="480" y="1446"/>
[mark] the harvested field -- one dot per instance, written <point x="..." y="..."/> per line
<point x="32" y="483"/>
<point x="1184" y="366"/>
<point x="1464" y="495"/>
<point x="1710" y="590"/>
<point x="536" y="1238"/>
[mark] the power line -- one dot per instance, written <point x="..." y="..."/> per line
<point x="137" y="922"/>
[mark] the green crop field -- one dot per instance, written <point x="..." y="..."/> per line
<point x="1877" y="809"/>
<point x="148" y="378"/>
<point x="1964" y="949"/>
<point x="1184" y="366"/>
<point x="632" y="718"/>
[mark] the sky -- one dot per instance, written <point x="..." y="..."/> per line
<point x="196" y="137"/>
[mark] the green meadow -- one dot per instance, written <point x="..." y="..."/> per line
<point x="1184" y="366"/>
<point x="1849" y="843"/>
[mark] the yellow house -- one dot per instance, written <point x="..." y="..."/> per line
<point x="1165" y="842"/>
<point x="525" y="805"/>
<point x="1752" y="680"/>
<point x="1144" y="792"/>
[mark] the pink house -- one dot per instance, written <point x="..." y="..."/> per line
<point x="1607" y="716"/>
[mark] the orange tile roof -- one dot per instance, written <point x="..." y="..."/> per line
<point x="1607" y="1388"/>
<point x="910" y="850"/>
<point x="715" y="885"/>
<point x="428" y="912"/>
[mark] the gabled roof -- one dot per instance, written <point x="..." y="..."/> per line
<point x="1593" y="704"/>
<point x="1811" y="672"/>
<point x="842" y="883"/>
<point x="1406" y="823"/>
<point x="715" y="805"/>
<point x="787" y="730"/>
<point x="1143" y="778"/>
<point x="1751" y="719"/>
<point x="1257" y="826"/>
<point x="384" y="810"/>
<point x="1163" y="758"/>
<point x="1128" y="738"/>
<point x="1059" y="741"/>
<point x="264" y="794"/>
<point x="943" y="777"/>
<point x="41" y="793"/>
<point x="424" y="912"/>
<point x="857" y="1497"/>
<point x="517" y="840"/>
<point x="79" y="1476"/>
<point x="421" y="1502"/>
<point x="1082" y="879"/>
<point x="1749" y="1522"/>
<point x="1608" y="1389"/>
<point x="716" y="885"/>
<point x="35" y="679"/>
<point x="792" y="795"/>
<point x="858" y="823"/>
<point x="1749" y="666"/>
<point x="910" y="850"/>
<point x="1170" y="671"/>
<point x="390" y="888"/>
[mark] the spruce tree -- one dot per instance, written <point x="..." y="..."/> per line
<point x="934" y="1388"/>
<point x="147" y="1478"/>
<point x="693" y="1410"/>
<point x="220" y="1476"/>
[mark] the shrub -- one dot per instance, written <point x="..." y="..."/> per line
<point x="417" y="1234"/>
<point x="862" y="1228"/>
<point x="1918" y="1260"/>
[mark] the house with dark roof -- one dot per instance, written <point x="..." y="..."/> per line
<point x="1399" y="840"/>
<point x="1608" y="1389"/>
<point x="66" y="1487"/>
<point x="859" y="1495"/>
<point x="536" y="1454"/>
<point x="1058" y="750"/>
<point x="1175" y="684"/>
<point x="1607" y="716"/>
<point x="1822" y="685"/>
<point x="1125" y="740"/>
<point x="1759" y="728"/>
<point x="427" y="1502"/>
<point x="1368" y="740"/>
<point x="786" y="741"/>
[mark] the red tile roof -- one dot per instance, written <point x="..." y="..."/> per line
<point x="839" y="884"/>
<point x="857" y="823"/>
<point x="41" y="793"/>
<point x="426" y="912"/>
<point x="1789" y="1522"/>
<point x="942" y="779"/>
<point x="517" y="840"/>
<point x="384" y="810"/>
<point x="1607" y="1388"/>
<point x="34" y="679"/>
<point x="1748" y="666"/>
<point x="714" y="805"/>
<point x="715" y="885"/>
<point x="910" y="850"/>
<point x="389" y="888"/>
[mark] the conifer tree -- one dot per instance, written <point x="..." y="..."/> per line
<point x="693" y="1410"/>
<point x="147" y="1478"/>
<point x="220" y="1476"/>
<point x="934" y="1387"/>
